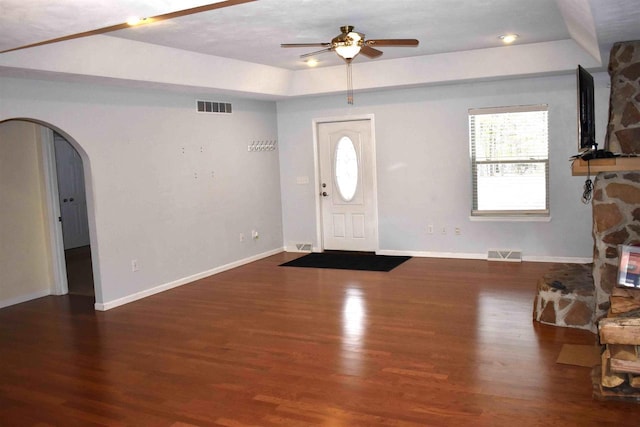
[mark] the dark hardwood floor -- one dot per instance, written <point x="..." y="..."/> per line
<point x="433" y="342"/>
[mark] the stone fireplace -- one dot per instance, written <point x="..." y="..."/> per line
<point x="616" y="198"/>
<point x="577" y="296"/>
<point x="586" y="296"/>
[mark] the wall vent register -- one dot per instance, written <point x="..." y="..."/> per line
<point x="213" y="107"/>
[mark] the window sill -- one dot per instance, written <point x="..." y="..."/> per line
<point x="510" y="218"/>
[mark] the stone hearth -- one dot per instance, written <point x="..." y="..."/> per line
<point x="566" y="297"/>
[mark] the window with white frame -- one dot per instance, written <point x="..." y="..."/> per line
<point x="510" y="161"/>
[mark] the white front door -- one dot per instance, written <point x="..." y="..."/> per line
<point x="73" y="202"/>
<point x="347" y="195"/>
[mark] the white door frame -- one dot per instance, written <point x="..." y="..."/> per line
<point x="316" y="166"/>
<point x="60" y="284"/>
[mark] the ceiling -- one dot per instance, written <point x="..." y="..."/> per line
<point x="257" y="29"/>
<point x="252" y="31"/>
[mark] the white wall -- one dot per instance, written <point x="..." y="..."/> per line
<point x="423" y="168"/>
<point x="25" y="267"/>
<point x="149" y="158"/>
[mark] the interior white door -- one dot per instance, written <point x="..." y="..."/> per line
<point x="73" y="201"/>
<point x="349" y="220"/>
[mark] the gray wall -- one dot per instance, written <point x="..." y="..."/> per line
<point x="148" y="158"/>
<point x="423" y="168"/>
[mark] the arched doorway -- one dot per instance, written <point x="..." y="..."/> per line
<point x="52" y="155"/>
<point x="73" y="214"/>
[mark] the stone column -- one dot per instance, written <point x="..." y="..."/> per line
<point x="616" y="221"/>
<point x="623" y="131"/>
<point x="616" y="199"/>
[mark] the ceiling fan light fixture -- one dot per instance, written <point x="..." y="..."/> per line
<point x="347" y="45"/>
<point x="350" y="46"/>
<point x="312" y="62"/>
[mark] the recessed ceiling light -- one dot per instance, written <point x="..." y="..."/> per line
<point x="508" y="38"/>
<point x="312" y="62"/>
<point x="135" y="20"/>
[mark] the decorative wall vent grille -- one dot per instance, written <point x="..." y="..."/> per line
<point x="504" y="255"/>
<point x="213" y="107"/>
<point x="304" y="247"/>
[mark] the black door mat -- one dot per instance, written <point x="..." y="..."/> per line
<point x="366" y="261"/>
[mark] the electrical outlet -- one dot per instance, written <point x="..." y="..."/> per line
<point x="134" y="265"/>
<point x="458" y="232"/>
<point x="254" y="235"/>
<point x="242" y="237"/>
<point x="430" y="229"/>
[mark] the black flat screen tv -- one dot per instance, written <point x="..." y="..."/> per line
<point x="586" y="112"/>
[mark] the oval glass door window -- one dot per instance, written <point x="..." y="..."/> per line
<point x="346" y="168"/>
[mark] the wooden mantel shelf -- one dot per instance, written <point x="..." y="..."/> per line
<point x="615" y="164"/>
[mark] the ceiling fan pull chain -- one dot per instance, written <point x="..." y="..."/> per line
<point x="349" y="85"/>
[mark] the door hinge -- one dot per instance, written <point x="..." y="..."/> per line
<point x="59" y="219"/>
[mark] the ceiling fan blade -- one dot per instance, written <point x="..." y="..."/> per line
<point x="392" y="42"/>
<point x="145" y="21"/>
<point x="304" y="44"/>
<point x="305" y="55"/>
<point x="370" y="52"/>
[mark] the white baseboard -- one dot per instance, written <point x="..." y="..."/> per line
<point x="462" y="255"/>
<point x="24" y="298"/>
<point x="568" y="260"/>
<point x="185" y="280"/>
<point x="425" y="254"/>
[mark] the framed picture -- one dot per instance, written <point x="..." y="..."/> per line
<point x="629" y="267"/>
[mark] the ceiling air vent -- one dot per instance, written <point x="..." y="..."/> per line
<point x="213" y="107"/>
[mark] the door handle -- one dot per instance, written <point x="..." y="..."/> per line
<point x="71" y="199"/>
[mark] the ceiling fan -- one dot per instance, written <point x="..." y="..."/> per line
<point x="349" y="44"/>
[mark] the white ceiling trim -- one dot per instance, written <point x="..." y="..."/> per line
<point x="103" y="59"/>
<point x="475" y="65"/>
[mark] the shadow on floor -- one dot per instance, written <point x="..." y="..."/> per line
<point x="79" y="271"/>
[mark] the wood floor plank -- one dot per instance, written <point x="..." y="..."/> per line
<point x="433" y="342"/>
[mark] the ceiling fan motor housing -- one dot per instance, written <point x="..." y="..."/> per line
<point x="348" y="37"/>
